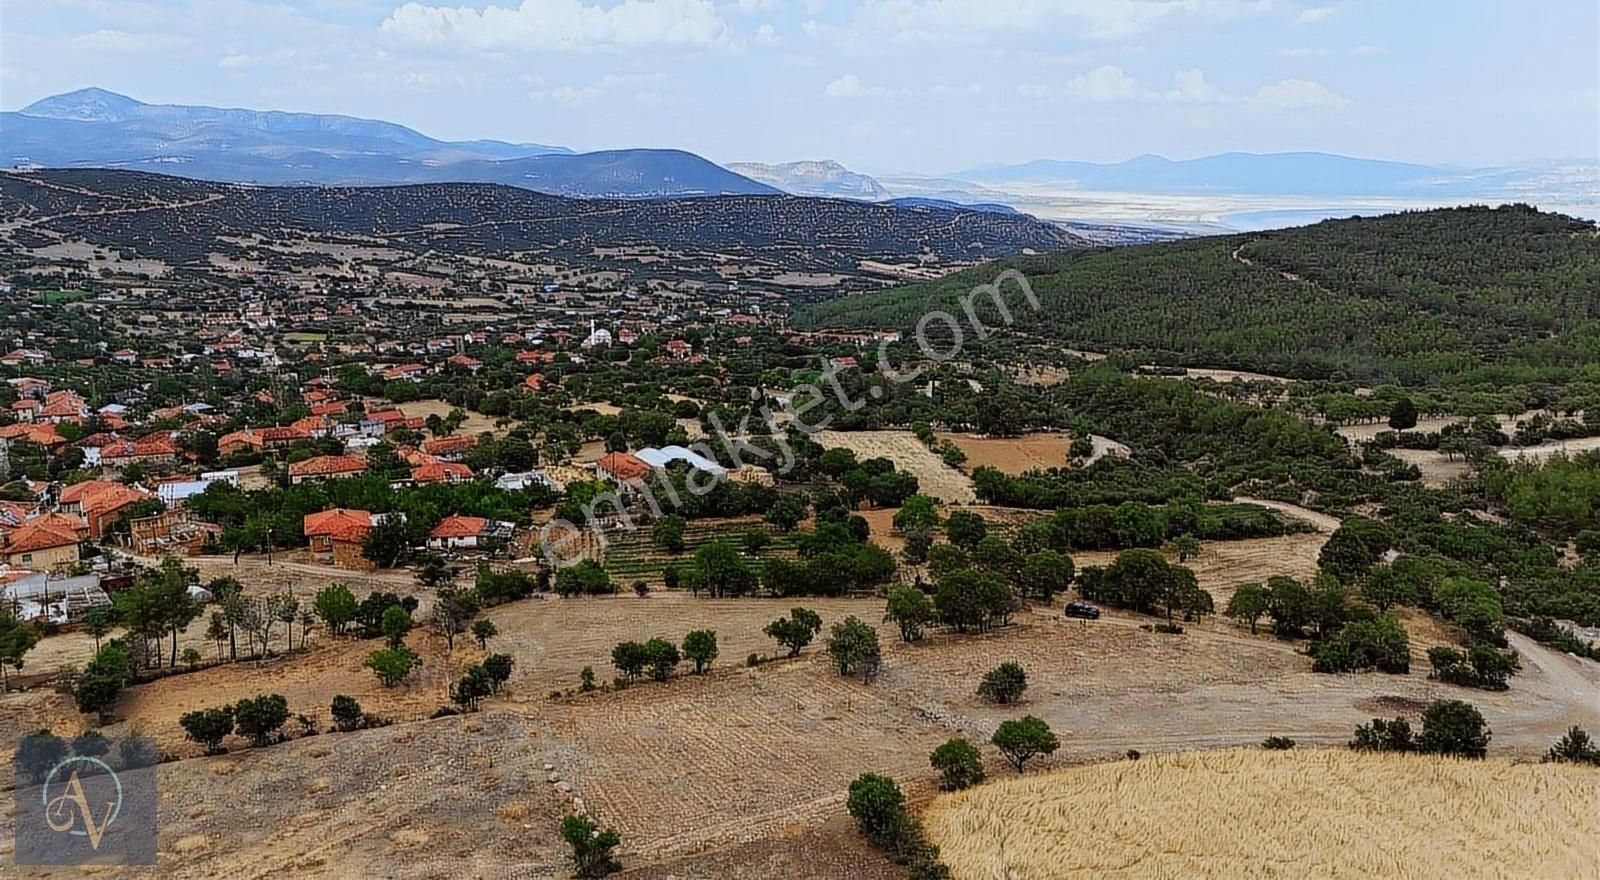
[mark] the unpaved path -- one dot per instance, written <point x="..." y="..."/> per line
<point x="1323" y="522"/>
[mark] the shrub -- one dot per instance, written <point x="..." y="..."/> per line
<point x="1451" y="727"/>
<point x="471" y="688"/>
<point x="1481" y="666"/>
<point x="261" y="717"/>
<point x="1277" y="743"/>
<point x="662" y="657"/>
<point x="208" y="727"/>
<point x="591" y="847"/>
<point x="392" y="665"/>
<point x="875" y="802"/>
<point x="498" y="667"/>
<point x="1003" y="684"/>
<point x="959" y="764"/>
<point x="1379" y="643"/>
<point x="1384" y="736"/>
<point x="1576" y="747"/>
<point x="347" y="714"/>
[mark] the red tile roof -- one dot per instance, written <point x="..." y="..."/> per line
<point x="327" y="466"/>
<point x="623" y="466"/>
<point x="459" y="527"/>
<point x="340" y="524"/>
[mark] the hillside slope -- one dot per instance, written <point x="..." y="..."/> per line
<point x="1464" y="295"/>
<point x="182" y="221"/>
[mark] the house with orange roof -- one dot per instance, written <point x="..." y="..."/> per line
<point x="242" y="440"/>
<point x="464" y="362"/>
<point x="405" y="372"/>
<point x="152" y="449"/>
<point x="622" y="467"/>
<point x="452" y="448"/>
<point x="534" y="382"/>
<point x="337" y="536"/>
<point x="326" y="467"/>
<point x="458" y="533"/>
<point x="44" y="434"/>
<point x="283" y="437"/>
<point x="99" y="502"/>
<point x="436" y="471"/>
<point x="47" y="543"/>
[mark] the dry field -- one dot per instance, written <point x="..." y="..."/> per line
<point x="736" y="774"/>
<point x="476" y="423"/>
<point x="1012" y="455"/>
<point x="1437" y="469"/>
<point x="1550" y="450"/>
<point x="937" y="480"/>
<point x="1239" y="814"/>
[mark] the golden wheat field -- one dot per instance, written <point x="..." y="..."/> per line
<point x="1242" y="814"/>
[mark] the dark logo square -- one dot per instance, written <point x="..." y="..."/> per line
<point x="85" y="801"/>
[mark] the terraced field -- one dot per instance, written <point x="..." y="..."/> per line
<point x="633" y="556"/>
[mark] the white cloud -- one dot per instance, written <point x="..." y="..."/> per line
<point x="914" y="21"/>
<point x="641" y="88"/>
<point x="768" y="35"/>
<point x="1299" y="94"/>
<point x="850" y="86"/>
<point x="1369" y="51"/>
<point x="1105" y="83"/>
<point x="560" y="24"/>
<point x="1190" y="87"/>
<point x="947" y="90"/>
<point x="1315" y="15"/>
<point x="123" y="41"/>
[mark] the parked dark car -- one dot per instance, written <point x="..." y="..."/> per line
<point x="1082" y="610"/>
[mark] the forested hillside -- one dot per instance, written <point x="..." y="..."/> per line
<point x="1457" y="297"/>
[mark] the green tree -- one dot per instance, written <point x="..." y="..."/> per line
<point x="1247" y="605"/>
<point x="347" y="714"/>
<point x="337" y="607"/>
<point x="1045" y="573"/>
<point x="877" y="805"/>
<point x="1022" y="739"/>
<point x="396" y="623"/>
<point x="1004" y="683"/>
<point x="103" y="679"/>
<point x="261" y="717"/>
<point x="795" y="631"/>
<point x="1575" y="747"/>
<point x="853" y="645"/>
<point x="668" y="534"/>
<point x="911" y="610"/>
<point x="700" y="646"/>
<point x="959" y="764"/>
<point x="719" y="569"/>
<point x="208" y="727"/>
<point x="662" y="657"/>
<point x="1403" y="414"/>
<point x="1186" y="547"/>
<point x="482" y="631"/>
<point x="98" y="622"/>
<point x="917" y="514"/>
<point x="16" y="640"/>
<point x="471" y="688"/>
<point x="965" y="529"/>
<point x="629" y="658"/>
<point x="591" y="847"/>
<point x="392" y="665"/>
<point x="787" y="511"/>
<point x="1452" y="727"/>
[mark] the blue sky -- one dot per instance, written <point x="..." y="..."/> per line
<point x="882" y="85"/>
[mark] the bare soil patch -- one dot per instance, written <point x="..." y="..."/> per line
<point x="936" y="479"/>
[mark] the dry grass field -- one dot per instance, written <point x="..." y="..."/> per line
<point x="1012" y="455"/>
<point x="1258" y="814"/>
<point x="937" y="479"/>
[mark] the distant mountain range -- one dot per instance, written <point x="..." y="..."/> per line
<point x="818" y="178"/>
<point x="97" y="128"/>
<point x="1301" y="174"/>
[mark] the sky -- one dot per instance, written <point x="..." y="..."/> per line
<point x="919" y="86"/>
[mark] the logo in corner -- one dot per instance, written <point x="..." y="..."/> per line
<point x="71" y="811"/>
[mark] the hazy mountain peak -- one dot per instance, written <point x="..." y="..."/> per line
<point x="91" y="104"/>
<point x="813" y="177"/>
